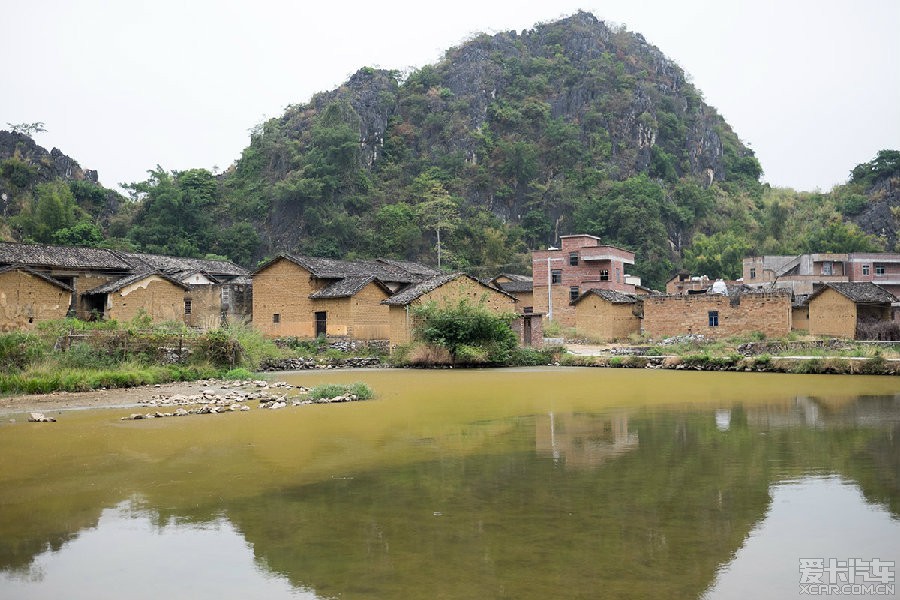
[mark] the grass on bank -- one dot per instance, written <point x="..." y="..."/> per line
<point x="72" y="355"/>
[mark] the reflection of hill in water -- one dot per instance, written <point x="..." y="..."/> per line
<point x="648" y="503"/>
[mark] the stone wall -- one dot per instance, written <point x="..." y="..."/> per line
<point x="768" y="313"/>
<point x="26" y="300"/>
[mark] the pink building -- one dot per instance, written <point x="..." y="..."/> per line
<point x="561" y="275"/>
<point x="802" y="273"/>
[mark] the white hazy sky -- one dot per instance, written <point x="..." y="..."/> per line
<point x="813" y="86"/>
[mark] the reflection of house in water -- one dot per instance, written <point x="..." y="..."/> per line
<point x="804" y="411"/>
<point x="583" y="440"/>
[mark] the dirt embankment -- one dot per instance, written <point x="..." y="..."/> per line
<point x="98" y="398"/>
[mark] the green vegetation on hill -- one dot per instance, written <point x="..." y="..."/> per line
<point x="503" y="145"/>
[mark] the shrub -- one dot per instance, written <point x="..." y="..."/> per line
<point x="219" y="348"/>
<point x="333" y="390"/>
<point x="18" y="350"/>
<point x="239" y="373"/>
<point x="462" y="328"/>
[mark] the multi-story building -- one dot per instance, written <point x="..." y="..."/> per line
<point x="801" y="272"/>
<point x="561" y="275"/>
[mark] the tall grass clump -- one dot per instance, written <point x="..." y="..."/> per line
<point x="333" y="390"/>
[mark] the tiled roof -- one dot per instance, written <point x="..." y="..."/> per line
<point x="347" y="287"/>
<point x="383" y="270"/>
<point x="861" y="292"/>
<point x="611" y="296"/>
<point x="175" y="264"/>
<point x="515" y="286"/>
<point x="414" y="292"/>
<point x="515" y="277"/>
<point x="37" y="274"/>
<point x="70" y="257"/>
<point x="118" y="284"/>
<point x="423" y="271"/>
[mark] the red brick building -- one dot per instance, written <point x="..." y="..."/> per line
<point x="582" y="263"/>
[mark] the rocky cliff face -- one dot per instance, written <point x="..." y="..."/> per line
<point x="511" y="113"/>
<point x="49" y="165"/>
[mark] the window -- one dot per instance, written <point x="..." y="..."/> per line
<point x="187" y="307"/>
<point x="752" y="272"/>
<point x="604" y="275"/>
<point x="713" y="318"/>
<point x="879" y="269"/>
<point x="573" y="259"/>
<point x="276" y="318"/>
<point x="865" y="269"/>
<point x="827" y="268"/>
<point x="528" y="310"/>
<point x="573" y="293"/>
<point x="555" y="276"/>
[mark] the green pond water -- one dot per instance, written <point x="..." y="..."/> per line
<point x="515" y="483"/>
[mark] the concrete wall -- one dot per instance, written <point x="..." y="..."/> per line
<point x="666" y="316"/>
<point x="26" y="300"/>
<point x="601" y="320"/>
<point x="162" y="300"/>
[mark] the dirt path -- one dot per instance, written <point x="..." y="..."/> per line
<point x="99" y="398"/>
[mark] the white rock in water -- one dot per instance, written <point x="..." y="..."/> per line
<point x="37" y="417"/>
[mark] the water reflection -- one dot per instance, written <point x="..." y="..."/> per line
<point x="479" y="484"/>
<point x="130" y="554"/>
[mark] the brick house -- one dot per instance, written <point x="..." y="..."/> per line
<point x="521" y="287"/>
<point x="847" y="309"/>
<point x="802" y="273"/>
<point x="306" y="297"/>
<point x="28" y="297"/>
<point x="740" y="312"/>
<point x="606" y="315"/>
<point x="213" y="290"/>
<point x="444" y="290"/>
<point x="562" y="274"/>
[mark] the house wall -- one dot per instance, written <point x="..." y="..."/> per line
<point x="592" y="259"/>
<point x="536" y="339"/>
<point x="162" y="300"/>
<point x="602" y="320"/>
<point x="283" y="288"/>
<point x="679" y="315"/>
<point x="26" y="300"/>
<point x="831" y="313"/>
<point x="369" y="318"/>
<point x="206" y="306"/>
<point x="83" y="282"/>
<point x="800" y="318"/>
<point x="402" y="320"/>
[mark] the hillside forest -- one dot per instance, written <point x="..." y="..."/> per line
<point x="508" y="142"/>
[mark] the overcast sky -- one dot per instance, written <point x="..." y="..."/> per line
<point x="813" y="86"/>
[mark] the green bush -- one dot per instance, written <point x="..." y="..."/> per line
<point x="332" y="390"/>
<point x="239" y="373"/>
<point x="219" y="348"/>
<point x="467" y="331"/>
<point x="18" y="350"/>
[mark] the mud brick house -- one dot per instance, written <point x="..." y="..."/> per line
<point x="521" y="287"/>
<point x="152" y="293"/>
<point x="802" y="273"/>
<point x="582" y="263"/>
<point x="607" y="315"/>
<point x="855" y="310"/>
<point x="307" y="297"/>
<point x="218" y="291"/>
<point x="28" y="297"/>
<point x="209" y="291"/>
<point x="742" y="311"/>
<point x="445" y="290"/>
